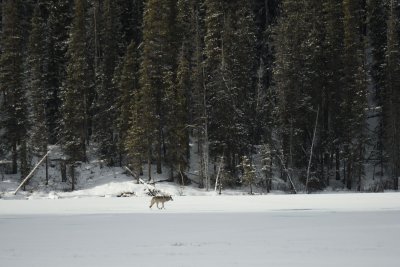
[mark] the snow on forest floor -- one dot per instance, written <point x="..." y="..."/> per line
<point x="266" y="230"/>
<point x="50" y="225"/>
<point x="90" y="226"/>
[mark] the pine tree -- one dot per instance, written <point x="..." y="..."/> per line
<point x="130" y="131"/>
<point x="265" y="19"/>
<point x="222" y="113"/>
<point x="302" y="82"/>
<point x="13" y="109"/>
<point x="75" y="94"/>
<point x="230" y="50"/>
<point x="249" y="173"/>
<point x="106" y="115"/>
<point x="213" y="83"/>
<point x="38" y="83"/>
<point x="197" y="98"/>
<point x="135" y="141"/>
<point x="377" y="29"/>
<point x="392" y="94"/>
<point x="267" y="165"/>
<point x="177" y="139"/>
<point x="158" y="62"/>
<point x="59" y="21"/>
<point x="265" y="105"/>
<point x="213" y="38"/>
<point x="354" y="98"/>
<point x="293" y="82"/>
<point x="333" y="45"/>
<point x="241" y="62"/>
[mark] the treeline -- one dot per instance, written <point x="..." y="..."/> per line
<point x="337" y="61"/>
<point x="311" y="86"/>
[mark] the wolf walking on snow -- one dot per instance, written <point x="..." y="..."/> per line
<point x="160" y="199"/>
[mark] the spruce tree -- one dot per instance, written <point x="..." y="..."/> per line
<point x="58" y="24"/>
<point x="13" y="109"/>
<point x="249" y="173"/>
<point x="293" y="83"/>
<point x="177" y="135"/>
<point x="197" y="99"/>
<point x="333" y="45"/>
<point x="105" y="108"/>
<point x="158" y="62"/>
<point x="315" y="87"/>
<point x="213" y="82"/>
<point x="130" y="131"/>
<point x="300" y="84"/>
<point x="377" y="29"/>
<point x="38" y="83"/>
<point x="136" y="142"/>
<point x="354" y="96"/>
<point x="223" y="114"/>
<point x="241" y="62"/>
<point x="230" y="68"/>
<point x="75" y="94"/>
<point x="392" y="94"/>
<point x="265" y="18"/>
<point x="267" y="165"/>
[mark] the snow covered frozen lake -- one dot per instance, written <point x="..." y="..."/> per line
<point x="272" y="230"/>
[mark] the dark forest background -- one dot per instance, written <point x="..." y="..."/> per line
<point x="310" y="86"/>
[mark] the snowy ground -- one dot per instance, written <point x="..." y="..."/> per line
<point x="270" y="230"/>
<point x="50" y="225"/>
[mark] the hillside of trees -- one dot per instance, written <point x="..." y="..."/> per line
<point x="312" y="87"/>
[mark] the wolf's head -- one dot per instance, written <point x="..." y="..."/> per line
<point x="169" y="198"/>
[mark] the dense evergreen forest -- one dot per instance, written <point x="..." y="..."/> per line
<point x="312" y="87"/>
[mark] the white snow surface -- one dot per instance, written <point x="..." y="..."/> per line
<point x="209" y="230"/>
<point x="49" y="225"/>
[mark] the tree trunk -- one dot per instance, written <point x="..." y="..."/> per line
<point x="359" y="186"/>
<point x="337" y="161"/>
<point x="72" y="174"/>
<point x="63" y="168"/>
<point x="349" y="178"/>
<point x="159" y="151"/>
<point x="14" y="158"/>
<point x="47" y="170"/>
<point x="149" y="161"/>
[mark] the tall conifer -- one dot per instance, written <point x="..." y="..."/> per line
<point x="177" y="135"/>
<point x="75" y="94"/>
<point x="333" y="45"/>
<point x="392" y="94"/>
<point x="38" y="83"/>
<point x="289" y="78"/>
<point x="58" y="24"/>
<point x="130" y="130"/>
<point x="158" y="62"/>
<point x="354" y="95"/>
<point x="13" y="109"/>
<point x="377" y="33"/>
<point x="106" y="113"/>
